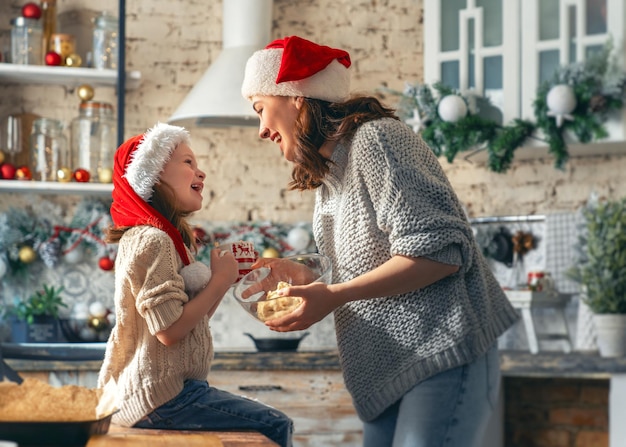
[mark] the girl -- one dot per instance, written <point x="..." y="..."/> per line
<point x="417" y="310"/>
<point x="160" y="350"/>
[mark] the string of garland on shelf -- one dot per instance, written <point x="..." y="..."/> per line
<point x="577" y="100"/>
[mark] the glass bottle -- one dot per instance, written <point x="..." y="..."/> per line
<point x="105" y="41"/>
<point x="49" y="21"/>
<point x="26" y="41"/>
<point x="93" y="140"/>
<point x="48" y="149"/>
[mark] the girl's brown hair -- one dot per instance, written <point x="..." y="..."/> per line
<point x="320" y="121"/>
<point x="164" y="201"/>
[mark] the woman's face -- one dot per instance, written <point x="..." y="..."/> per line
<point x="278" y="121"/>
<point x="181" y="173"/>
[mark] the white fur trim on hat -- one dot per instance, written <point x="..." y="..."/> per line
<point x="331" y="84"/>
<point x="151" y="155"/>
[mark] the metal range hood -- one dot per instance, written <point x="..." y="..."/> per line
<point x="216" y="101"/>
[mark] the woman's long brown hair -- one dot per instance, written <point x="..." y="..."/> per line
<point x="164" y="201"/>
<point x="320" y="121"/>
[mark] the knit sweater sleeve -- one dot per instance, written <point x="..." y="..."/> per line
<point x="412" y="198"/>
<point x="153" y="274"/>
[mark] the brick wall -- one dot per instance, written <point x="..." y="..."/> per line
<point x="547" y="412"/>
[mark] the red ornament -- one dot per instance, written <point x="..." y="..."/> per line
<point x="200" y="235"/>
<point x="53" y="59"/>
<point x="7" y="171"/>
<point x="31" y="11"/>
<point x="105" y="263"/>
<point x="81" y="175"/>
<point x="23" y="173"/>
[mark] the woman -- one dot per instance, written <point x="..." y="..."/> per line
<point x="417" y="310"/>
<point x="159" y="353"/>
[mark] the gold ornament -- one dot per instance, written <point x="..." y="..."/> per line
<point x="64" y="175"/>
<point x="105" y="175"/>
<point x="27" y="254"/>
<point x="73" y="60"/>
<point x="270" y="252"/>
<point x="85" y="92"/>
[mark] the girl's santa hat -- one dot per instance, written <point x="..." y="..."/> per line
<point x="138" y="165"/>
<point x="294" y="66"/>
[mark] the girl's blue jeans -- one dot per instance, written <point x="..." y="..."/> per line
<point x="450" y="409"/>
<point x="202" y="407"/>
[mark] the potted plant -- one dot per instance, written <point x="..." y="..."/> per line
<point x="36" y="319"/>
<point x="600" y="270"/>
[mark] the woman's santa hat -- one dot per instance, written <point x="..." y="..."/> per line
<point x="139" y="162"/>
<point x="294" y="66"/>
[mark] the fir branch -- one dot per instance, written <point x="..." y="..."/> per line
<point x="502" y="148"/>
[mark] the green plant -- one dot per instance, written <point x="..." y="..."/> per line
<point x="44" y="302"/>
<point x="601" y="263"/>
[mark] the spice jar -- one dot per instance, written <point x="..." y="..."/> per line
<point x="93" y="141"/>
<point x="105" y="41"/>
<point x="48" y="149"/>
<point x="26" y="41"/>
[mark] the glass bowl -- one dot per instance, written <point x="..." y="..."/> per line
<point x="255" y="291"/>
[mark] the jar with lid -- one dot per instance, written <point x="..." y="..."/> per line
<point x="26" y="41"/>
<point x="105" y="41"/>
<point x="93" y="141"/>
<point x="48" y="149"/>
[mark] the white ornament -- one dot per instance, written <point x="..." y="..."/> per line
<point x="80" y="311"/>
<point x="561" y="102"/>
<point x="97" y="309"/>
<point x="452" y="108"/>
<point x="415" y="121"/>
<point x="74" y="256"/>
<point x="298" y="238"/>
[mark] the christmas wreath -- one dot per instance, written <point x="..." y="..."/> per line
<point x="577" y="100"/>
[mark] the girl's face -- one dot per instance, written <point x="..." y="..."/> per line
<point x="278" y="121"/>
<point x="181" y="173"/>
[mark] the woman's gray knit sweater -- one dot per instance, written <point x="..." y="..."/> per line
<point x="387" y="194"/>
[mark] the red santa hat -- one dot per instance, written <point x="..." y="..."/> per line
<point x="138" y="165"/>
<point x="294" y="66"/>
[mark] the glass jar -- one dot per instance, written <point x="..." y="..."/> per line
<point x="93" y="141"/>
<point x="26" y="41"/>
<point x="105" y="41"/>
<point x="48" y="149"/>
<point x="62" y="44"/>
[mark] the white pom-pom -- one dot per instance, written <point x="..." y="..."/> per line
<point x="196" y="276"/>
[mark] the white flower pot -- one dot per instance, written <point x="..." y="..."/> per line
<point x="611" y="334"/>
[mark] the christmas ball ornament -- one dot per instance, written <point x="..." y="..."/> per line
<point x="81" y="175"/>
<point x="23" y="173"/>
<point x="31" y="11"/>
<point x="85" y="92"/>
<point x="105" y="263"/>
<point x="7" y="171"/>
<point x="97" y="309"/>
<point x="64" y="175"/>
<point x="73" y="60"/>
<point x="298" y="238"/>
<point x="270" y="252"/>
<point x="561" y="102"/>
<point x="452" y="108"/>
<point x="3" y="267"/>
<point x="53" y="59"/>
<point x="74" y="256"/>
<point x="27" y="254"/>
<point x="105" y="175"/>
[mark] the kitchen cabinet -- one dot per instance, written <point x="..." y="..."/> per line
<point x="504" y="49"/>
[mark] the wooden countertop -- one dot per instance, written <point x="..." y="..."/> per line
<point x="136" y="437"/>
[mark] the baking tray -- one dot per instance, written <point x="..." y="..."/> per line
<point x="49" y="434"/>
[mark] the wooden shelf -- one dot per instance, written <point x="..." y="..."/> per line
<point x="66" y="76"/>
<point x="25" y="187"/>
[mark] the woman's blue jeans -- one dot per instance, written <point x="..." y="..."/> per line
<point x="450" y="409"/>
<point x="202" y="407"/>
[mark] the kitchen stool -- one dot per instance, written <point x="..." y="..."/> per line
<point x="527" y="300"/>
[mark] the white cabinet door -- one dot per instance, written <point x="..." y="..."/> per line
<point x="473" y="46"/>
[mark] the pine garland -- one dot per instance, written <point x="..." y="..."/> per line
<point x="599" y="89"/>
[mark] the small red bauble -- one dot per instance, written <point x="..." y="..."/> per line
<point x="7" y="171"/>
<point x="105" y="263"/>
<point x="31" y="11"/>
<point x="81" y="175"/>
<point x="53" y="58"/>
<point x="23" y="173"/>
